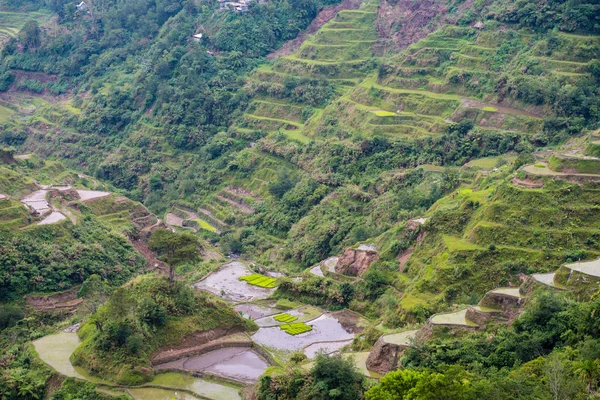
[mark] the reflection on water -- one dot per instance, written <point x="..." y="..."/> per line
<point x="55" y="351"/>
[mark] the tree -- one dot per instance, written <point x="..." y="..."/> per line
<point x="94" y="291"/>
<point x="30" y="34"/>
<point x="174" y="248"/>
<point x="589" y="372"/>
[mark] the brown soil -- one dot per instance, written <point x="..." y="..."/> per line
<point x="349" y="320"/>
<point x="195" y="344"/>
<point x="151" y="260"/>
<point x="406" y="22"/>
<point x="65" y="301"/>
<point x="355" y="262"/>
<point x="383" y="357"/>
<point x="527" y="183"/>
<point x="321" y="19"/>
<point x="403" y="258"/>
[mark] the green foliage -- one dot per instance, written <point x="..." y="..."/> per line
<point x="72" y="389"/>
<point x="148" y="313"/>
<point x="174" y="248"/>
<point x="285" y="318"/>
<point x="9" y="316"/>
<point x="259" y="280"/>
<point x="410" y="384"/>
<point x="330" y="378"/>
<point x="295" y="328"/>
<point x="44" y="258"/>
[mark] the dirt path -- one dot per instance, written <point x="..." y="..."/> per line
<point x="153" y="262"/>
<point x="321" y="19"/>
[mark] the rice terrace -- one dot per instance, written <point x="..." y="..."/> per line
<point x="317" y="199"/>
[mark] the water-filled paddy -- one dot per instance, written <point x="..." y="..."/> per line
<point x="55" y="351"/>
<point x="401" y="339"/>
<point x="91" y="194"/>
<point x="37" y="201"/>
<point x="238" y="363"/>
<point x="325" y="329"/>
<point x="159" y="394"/>
<point x="312" y="350"/>
<point x="509" y="291"/>
<point x="255" y="311"/>
<point x="455" y="318"/>
<point x="316" y="270"/>
<point x="53" y="218"/>
<point x="225" y="283"/>
<point x="202" y="387"/>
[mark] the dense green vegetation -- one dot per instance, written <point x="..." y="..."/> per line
<point x="141" y="317"/>
<point x="342" y="140"/>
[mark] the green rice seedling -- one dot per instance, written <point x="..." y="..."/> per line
<point x="296" y="328"/>
<point x="259" y="280"/>
<point x="285" y="318"/>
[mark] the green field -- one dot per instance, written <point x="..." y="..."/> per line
<point x="12" y="22"/>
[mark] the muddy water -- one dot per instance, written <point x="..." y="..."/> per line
<point x="159" y="394"/>
<point x="202" y="387"/>
<point x="312" y="350"/>
<point x="55" y="351"/>
<point x="330" y="263"/>
<point x="238" y="363"/>
<point x="53" y="218"/>
<point x="316" y="270"/>
<point x="254" y="311"/>
<point x="270" y="321"/>
<point x="225" y="283"/>
<point x="325" y="329"/>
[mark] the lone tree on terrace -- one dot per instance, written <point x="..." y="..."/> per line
<point x="174" y="248"/>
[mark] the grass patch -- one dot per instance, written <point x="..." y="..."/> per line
<point x="296" y="328"/>
<point x="259" y="280"/>
<point x="382" y="113"/>
<point x="285" y="304"/>
<point x="490" y="109"/>
<point x="205" y="225"/>
<point x="287" y="318"/>
<point x="539" y="165"/>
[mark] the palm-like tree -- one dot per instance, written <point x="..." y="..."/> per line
<point x="588" y="371"/>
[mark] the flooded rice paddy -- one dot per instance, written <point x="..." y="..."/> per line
<point x="238" y="363"/>
<point x="455" y="318"/>
<point x="401" y="339"/>
<point x="587" y="267"/>
<point x="255" y="311"/>
<point x="159" y="394"/>
<point x="202" y="387"/>
<point x="55" y="350"/>
<point x="85" y="195"/>
<point x="508" y="291"/>
<point x="37" y="200"/>
<point x="225" y="284"/>
<point x="312" y="350"/>
<point x="325" y="329"/>
<point x="53" y="218"/>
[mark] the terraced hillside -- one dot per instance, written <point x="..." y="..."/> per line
<point x="483" y="237"/>
<point x="290" y="94"/>
<point x="12" y="22"/>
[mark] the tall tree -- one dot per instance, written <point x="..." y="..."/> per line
<point x="30" y="34"/>
<point x="174" y="248"/>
